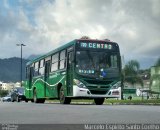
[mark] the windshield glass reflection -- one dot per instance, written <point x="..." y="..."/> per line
<point x="96" y="64"/>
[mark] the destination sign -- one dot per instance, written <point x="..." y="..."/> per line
<point x="95" y="45"/>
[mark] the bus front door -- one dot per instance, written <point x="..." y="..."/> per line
<point x="30" y="80"/>
<point x="46" y="77"/>
<point x="69" y="79"/>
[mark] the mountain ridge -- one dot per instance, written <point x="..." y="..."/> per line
<point x="10" y="70"/>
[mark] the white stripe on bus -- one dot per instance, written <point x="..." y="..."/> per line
<point x="45" y="83"/>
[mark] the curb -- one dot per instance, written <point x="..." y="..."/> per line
<point x="92" y="103"/>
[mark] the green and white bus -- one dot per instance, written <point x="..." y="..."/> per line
<point x="80" y="69"/>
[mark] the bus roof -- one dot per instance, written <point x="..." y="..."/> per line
<point x="52" y="52"/>
<point x="65" y="46"/>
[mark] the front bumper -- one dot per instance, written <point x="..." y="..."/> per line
<point x="84" y="92"/>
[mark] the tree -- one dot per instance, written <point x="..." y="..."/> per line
<point x="131" y="75"/>
<point x="3" y="93"/>
<point x="85" y="37"/>
<point x="157" y="62"/>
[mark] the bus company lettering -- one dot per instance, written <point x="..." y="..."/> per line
<point x="95" y="45"/>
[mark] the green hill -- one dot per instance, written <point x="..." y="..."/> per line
<point x="10" y="69"/>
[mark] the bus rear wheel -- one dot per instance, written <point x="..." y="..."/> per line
<point x="62" y="98"/>
<point x="99" y="101"/>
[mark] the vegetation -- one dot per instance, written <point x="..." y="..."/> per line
<point x="3" y="93"/>
<point x="131" y="73"/>
<point x="116" y="102"/>
<point x="85" y="37"/>
<point x="135" y="102"/>
<point x="157" y="62"/>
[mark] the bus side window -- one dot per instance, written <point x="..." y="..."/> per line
<point x="54" y="62"/>
<point x="62" y="59"/>
<point x="31" y="72"/>
<point x="41" y="67"/>
<point x="47" y="68"/>
<point x="36" y="66"/>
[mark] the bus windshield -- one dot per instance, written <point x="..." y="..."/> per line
<point x="97" y="64"/>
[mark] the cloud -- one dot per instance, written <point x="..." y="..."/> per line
<point x="45" y="25"/>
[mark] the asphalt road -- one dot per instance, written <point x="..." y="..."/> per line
<point x="52" y="113"/>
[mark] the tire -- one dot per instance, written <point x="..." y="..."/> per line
<point x="17" y="99"/>
<point x="26" y="100"/>
<point x="41" y="100"/>
<point x="32" y="100"/>
<point x="35" y="99"/>
<point x="8" y="100"/>
<point x="62" y="98"/>
<point x="99" y="101"/>
<point x="12" y="100"/>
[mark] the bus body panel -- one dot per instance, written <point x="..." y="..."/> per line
<point x="48" y="84"/>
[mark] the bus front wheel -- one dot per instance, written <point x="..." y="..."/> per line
<point x="32" y="100"/>
<point x="62" y="98"/>
<point x="42" y="100"/>
<point x="37" y="100"/>
<point x="99" y="101"/>
<point x="26" y="100"/>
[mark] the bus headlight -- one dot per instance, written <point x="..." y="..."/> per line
<point x="79" y="83"/>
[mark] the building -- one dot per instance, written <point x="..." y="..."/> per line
<point x="6" y="86"/>
<point x="0" y="85"/>
<point x="155" y="81"/>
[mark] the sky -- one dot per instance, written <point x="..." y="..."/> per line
<point x="43" y="25"/>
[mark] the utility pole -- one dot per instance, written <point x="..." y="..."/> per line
<point x="21" y="61"/>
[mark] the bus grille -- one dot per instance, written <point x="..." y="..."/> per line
<point x="98" y="92"/>
<point x="92" y="87"/>
<point x="98" y="82"/>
